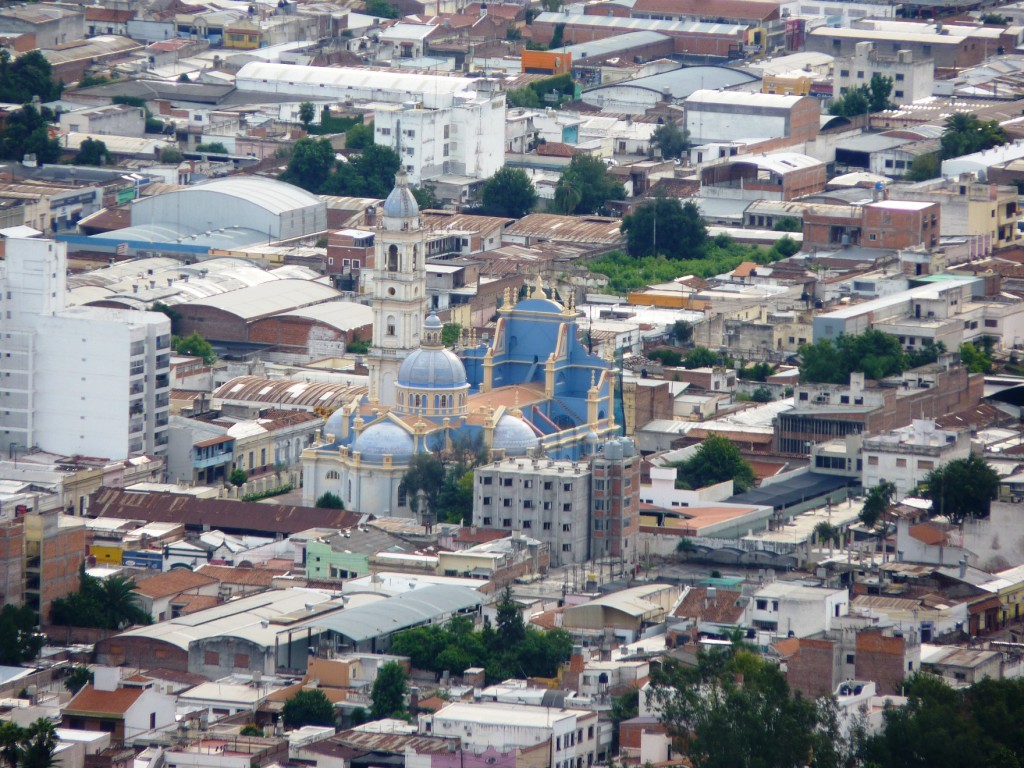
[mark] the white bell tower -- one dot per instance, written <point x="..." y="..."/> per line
<point x="399" y="290"/>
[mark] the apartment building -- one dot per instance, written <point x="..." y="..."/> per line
<point x="906" y="455"/>
<point x="615" y="500"/>
<point x="86" y="381"/>
<point x="912" y="79"/>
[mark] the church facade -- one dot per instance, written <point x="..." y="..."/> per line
<point x="532" y="390"/>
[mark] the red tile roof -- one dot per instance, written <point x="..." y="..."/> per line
<point x="89" y="701"/>
<point x="929" y="533"/>
<point x="721" y="609"/>
<point x="173" y="583"/>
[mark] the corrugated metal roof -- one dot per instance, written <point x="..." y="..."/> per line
<point x="287" y="392"/>
<point x="266" y="299"/>
<point x="421" y="606"/>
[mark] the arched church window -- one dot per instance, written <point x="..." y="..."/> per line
<point x="333" y="475"/>
<point x="415" y="256"/>
<point x="390" y="325"/>
<point x="392" y="258"/>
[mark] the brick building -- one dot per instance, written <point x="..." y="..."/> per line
<point x="54" y="552"/>
<point x="615" y="500"/>
<point x="889" y="224"/>
<point x="691" y="37"/>
<point x="318" y="331"/>
<point x="825" y="411"/>
<point x="778" y="176"/>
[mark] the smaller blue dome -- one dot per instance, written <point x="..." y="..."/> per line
<point x="433" y="323"/>
<point x="539" y="305"/>
<point x="514" y="436"/>
<point x="401" y="203"/>
<point x="334" y="424"/>
<point x="432" y="368"/>
<point x="385" y="439"/>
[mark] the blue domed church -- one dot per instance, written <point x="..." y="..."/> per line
<point x="533" y="390"/>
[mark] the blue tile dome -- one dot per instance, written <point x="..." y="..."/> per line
<point x="385" y="439"/>
<point x="547" y="306"/>
<point x="401" y="203"/>
<point x="432" y="368"/>
<point x="514" y="436"/>
<point x="334" y="424"/>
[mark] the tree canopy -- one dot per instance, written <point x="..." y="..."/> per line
<point x="107" y="604"/>
<point x="328" y="500"/>
<point x="308" y="707"/>
<point x="307" y="113"/>
<point x="310" y="164"/>
<point x="585" y="185"/>
<point x="666" y="226"/>
<point x="19" y="641"/>
<point x="28" y="75"/>
<point x="388" y="692"/>
<point x="700" y="357"/>
<point x="873" y="97"/>
<point x="29" y="747"/>
<point x="213" y="147"/>
<point x="876" y="503"/>
<point x="965" y="134"/>
<point x="93" y="152"/>
<point x="962" y="488"/>
<point x="195" y="345"/>
<point x="77" y="679"/>
<point x="735" y="709"/>
<point x="25" y="133"/>
<point x="509" y="192"/>
<point x="716" y="460"/>
<point x="422" y="483"/>
<point x="456" y="646"/>
<point x="671" y="140"/>
<point x="874" y="353"/>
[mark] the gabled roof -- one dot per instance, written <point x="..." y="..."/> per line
<point x="172" y="583"/>
<point x="115" y="704"/>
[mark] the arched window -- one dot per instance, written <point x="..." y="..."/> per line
<point x="415" y="255"/>
<point x="333" y="475"/>
<point x="437" y="402"/>
<point x="390" y="325"/>
<point x="392" y="258"/>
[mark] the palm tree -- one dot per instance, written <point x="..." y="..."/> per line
<point x="10" y="739"/>
<point x="38" y="745"/>
<point x="567" y="197"/>
<point x="120" y="604"/>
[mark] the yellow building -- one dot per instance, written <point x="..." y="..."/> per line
<point x="787" y="85"/>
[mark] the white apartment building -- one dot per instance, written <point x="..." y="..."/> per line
<point x="439" y="125"/>
<point x="547" y="500"/>
<point x="905" y="456"/>
<point x="912" y="78"/>
<point x="573" y="734"/>
<point x="86" y="381"/>
<point x="789" y="609"/>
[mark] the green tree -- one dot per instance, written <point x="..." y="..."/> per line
<point x="761" y="395"/>
<point x="250" y="729"/>
<point x="359" y="136"/>
<point x="389" y="689"/>
<point x="876" y="504"/>
<point x="19" y="640"/>
<point x="681" y="331"/>
<point x="369" y="174"/>
<point x="171" y="156"/>
<point x="213" y="148"/>
<point x="196" y="346"/>
<point x="328" y="500"/>
<point x="172" y="314"/>
<point x="422" y="483"/>
<point x="735" y="709"/>
<point x="671" y="140"/>
<point x="716" y="460"/>
<point x="308" y="707"/>
<point x="508" y="617"/>
<point x="852" y="103"/>
<point x="977" y="360"/>
<point x="879" y="90"/>
<point x="450" y="334"/>
<point x="700" y="357"/>
<point x="524" y="97"/>
<point x="962" y="488"/>
<point x="756" y="372"/>
<point x="625" y="706"/>
<point x="924" y="167"/>
<point x="508" y="193"/>
<point x="93" y="152"/>
<point x="874" y="353"/>
<point x="37" y="745"/>
<point x="426" y="197"/>
<point x="456" y="497"/>
<point x="666" y="226"/>
<point x="27" y="133"/>
<point x="589" y="176"/>
<point x="995" y="20"/>
<point x="238" y="477"/>
<point x="965" y="133"/>
<point x="381" y="9"/>
<point x="788" y="224"/>
<point x="108" y="604"/>
<point x="670" y="357"/>
<point x="77" y="679"/>
<point x="29" y="75"/>
<point x="307" y="113"/>
<point x="11" y="735"/>
<point x="310" y="164"/>
<point x="826" y="533"/>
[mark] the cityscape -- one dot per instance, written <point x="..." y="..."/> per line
<point x="458" y="384"/>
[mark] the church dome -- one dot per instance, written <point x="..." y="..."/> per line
<point x="432" y="368"/>
<point x="401" y="203"/>
<point x="385" y="439"/>
<point x="546" y="306"/>
<point x="514" y="436"/>
<point x="334" y="424"/>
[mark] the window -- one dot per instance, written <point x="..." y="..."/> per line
<point x="507" y="522"/>
<point x="241" y="660"/>
<point x="548" y="485"/>
<point x="567" y="547"/>
<point x="925" y="464"/>
<point x="487" y="521"/>
<point x="872" y="461"/>
<point x="487" y="480"/>
<point x="844" y="73"/>
<point x="901" y="463"/>
<point x="899" y="77"/>
<point x="567" y="527"/>
<point x="507" y="482"/>
<point x="109" y="726"/>
<point x="152" y="720"/>
<point x="527" y="524"/>
<point x="487" y="501"/>
<point x="898" y="94"/>
<point x="803" y="395"/>
<point x="506" y="502"/>
<point x="849" y="658"/>
<point x="762" y="605"/>
<point x="567" y="487"/>
<point x="860" y="74"/>
<point x="991" y="323"/>
<point x="567" y="507"/>
<point x="211" y="659"/>
<point x="527" y="483"/>
<point x="546" y="526"/>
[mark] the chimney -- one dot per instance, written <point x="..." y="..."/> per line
<point x="414" y="699"/>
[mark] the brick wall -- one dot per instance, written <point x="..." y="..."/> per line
<point x="142" y="652"/>
<point x="12" y="562"/>
<point x="212" y="324"/>
<point x="813" y="669"/>
<point x="881" y="659"/>
<point x="62" y="556"/>
<point x="299" y="334"/>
